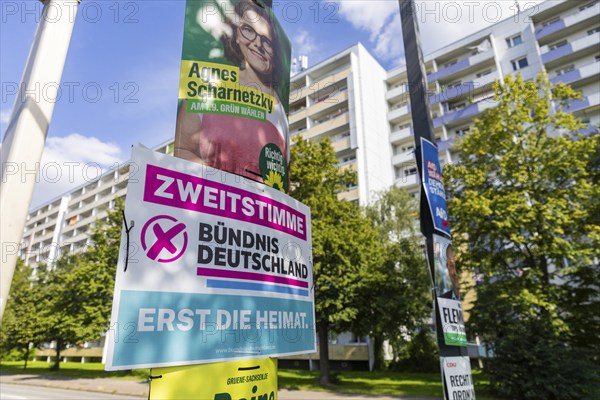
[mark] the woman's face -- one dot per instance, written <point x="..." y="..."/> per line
<point x="254" y="37"/>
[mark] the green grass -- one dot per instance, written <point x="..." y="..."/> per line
<point x="378" y="383"/>
<point x="70" y="370"/>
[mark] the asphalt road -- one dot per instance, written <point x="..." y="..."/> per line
<point x="24" y="392"/>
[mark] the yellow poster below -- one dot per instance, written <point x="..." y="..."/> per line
<point x="236" y="380"/>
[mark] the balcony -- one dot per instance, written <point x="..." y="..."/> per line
<point x="342" y="144"/>
<point x="396" y="92"/>
<point x="298" y="115"/>
<point x="587" y="71"/>
<point x="460" y="66"/>
<point x="466" y="113"/>
<point x="349" y="195"/>
<point x="407" y="181"/>
<point x="402" y="134"/>
<point x="398" y="112"/>
<point x="326" y="126"/>
<point x="550" y="29"/>
<point x="405" y="157"/>
<point x="444" y="145"/>
<point x="586" y="102"/>
<point x="333" y="100"/>
<point x="568" y="21"/>
<point x="588" y="42"/>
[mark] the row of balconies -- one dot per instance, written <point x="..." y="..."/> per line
<point x="330" y="102"/>
<point x="577" y="74"/>
<point x="461" y="66"/>
<point x="568" y="21"/>
<point x="589" y="43"/>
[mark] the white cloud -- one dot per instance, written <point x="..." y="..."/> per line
<point x="389" y="45"/>
<point x="441" y="22"/>
<point x="4" y="116"/>
<point x="368" y="15"/>
<point x="70" y="161"/>
<point x="304" y="44"/>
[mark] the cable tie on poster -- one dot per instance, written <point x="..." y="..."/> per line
<point x="127" y="230"/>
<point x="151" y="377"/>
<point x="248" y="368"/>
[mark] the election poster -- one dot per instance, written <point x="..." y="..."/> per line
<point x="234" y="90"/>
<point x="433" y="184"/>
<point x="444" y="269"/>
<point x="458" y="380"/>
<point x="250" y="379"/>
<point x="213" y="268"/>
<point x="453" y="324"/>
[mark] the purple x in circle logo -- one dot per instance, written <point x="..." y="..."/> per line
<point x="164" y="239"/>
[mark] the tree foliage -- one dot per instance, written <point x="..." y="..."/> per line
<point x="19" y="329"/>
<point x="69" y="301"/>
<point x="395" y="293"/>
<point x="522" y="201"/>
<point x="344" y="242"/>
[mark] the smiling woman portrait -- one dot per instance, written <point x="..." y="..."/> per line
<point x="234" y="143"/>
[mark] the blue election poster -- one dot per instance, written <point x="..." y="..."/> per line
<point x="434" y="186"/>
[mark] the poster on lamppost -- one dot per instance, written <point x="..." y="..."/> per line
<point x="457" y="378"/>
<point x="453" y="324"/>
<point x="248" y="379"/>
<point x="234" y="90"/>
<point x="214" y="267"/>
<point x="433" y="184"/>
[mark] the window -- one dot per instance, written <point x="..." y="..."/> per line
<point x="564" y="70"/>
<point x="519" y="63"/>
<point x="514" y="41"/>
<point x="456" y="107"/>
<point x="588" y="5"/>
<point x="451" y="63"/>
<point x="410" y="172"/>
<point x="454" y="84"/>
<point x="348" y="159"/>
<point x="557" y="45"/>
<point x="551" y="21"/>
<point x="484" y="73"/>
<point x="598" y="58"/>
<point x="592" y="31"/>
<point x="460" y="132"/>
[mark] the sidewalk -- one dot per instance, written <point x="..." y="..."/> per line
<point x="140" y="388"/>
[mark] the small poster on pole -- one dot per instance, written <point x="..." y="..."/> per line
<point x="453" y="324"/>
<point x="457" y="378"/>
<point x="433" y="183"/>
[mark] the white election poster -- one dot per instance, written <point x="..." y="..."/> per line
<point x="453" y="324"/>
<point x="458" y="378"/>
<point x="219" y="268"/>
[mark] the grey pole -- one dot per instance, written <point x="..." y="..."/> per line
<point x="25" y="136"/>
<point x="423" y="128"/>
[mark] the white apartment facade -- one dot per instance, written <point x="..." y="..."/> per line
<point x="561" y="37"/>
<point x="365" y="112"/>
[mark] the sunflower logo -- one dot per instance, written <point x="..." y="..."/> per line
<point x="274" y="180"/>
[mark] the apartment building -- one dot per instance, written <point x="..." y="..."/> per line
<point x="365" y="111"/>
<point x="63" y="225"/>
<point x="343" y="99"/>
<point x="561" y="38"/>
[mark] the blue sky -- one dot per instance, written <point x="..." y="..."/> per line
<point x="119" y="85"/>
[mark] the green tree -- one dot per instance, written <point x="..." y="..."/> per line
<point x="79" y="287"/>
<point x="395" y="293"/>
<point x="344" y="242"/>
<point x="522" y="201"/>
<point x="20" y="329"/>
